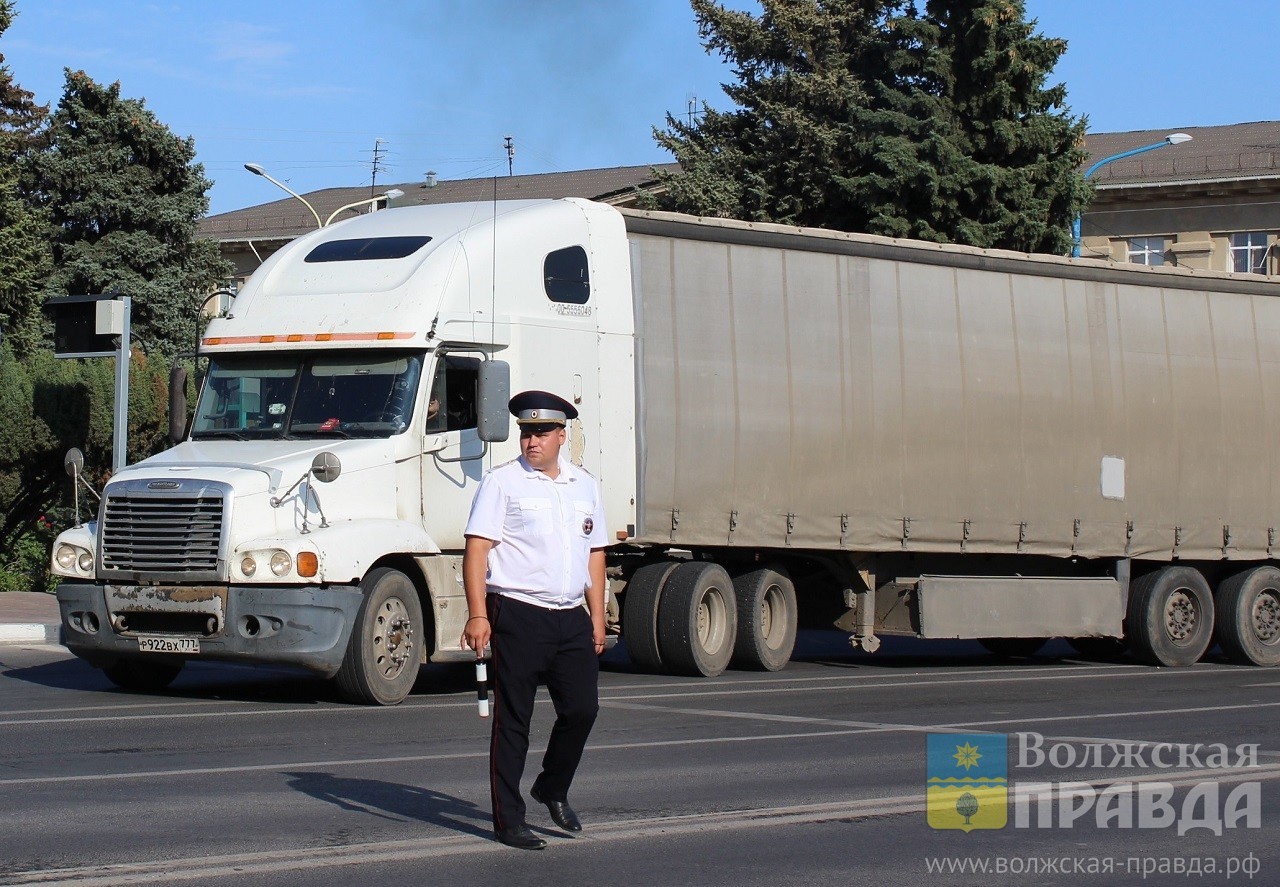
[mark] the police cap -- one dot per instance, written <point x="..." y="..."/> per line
<point x="541" y="408"/>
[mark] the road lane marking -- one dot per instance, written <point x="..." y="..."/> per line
<point x="206" y="868"/>
<point x="847" y="728"/>
<point x="784" y="686"/>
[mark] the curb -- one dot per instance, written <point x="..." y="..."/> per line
<point x="29" y="633"/>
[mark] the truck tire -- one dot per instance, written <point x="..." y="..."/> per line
<point x="697" y="620"/>
<point x="383" y="655"/>
<point x="143" y="674"/>
<point x="766" y="620"/>
<point x="1248" y="608"/>
<point x="1013" y="648"/>
<point x="640" y="604"/>
<point x="1170" y="619"/>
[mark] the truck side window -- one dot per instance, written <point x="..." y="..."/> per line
<point x="566" y="277"/>
<point x="452" y="404"/>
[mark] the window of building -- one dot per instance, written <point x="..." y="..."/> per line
<point x="1249" y="252"/>
<point x="1146" y="250"/>
<point x="565" y="276"/>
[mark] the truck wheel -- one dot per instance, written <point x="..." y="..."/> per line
<point x="383" y="655"/>
<point x="142" y="674"/>
<point x="640" y="614"/>
<point x="1248" y="607"/>
<point x="1098" y="648"/>
<point x="1170" y="619"/>
<point x="697" y="620"/>
<point x="766" y="620"/>
<point x="1013" y="648"/>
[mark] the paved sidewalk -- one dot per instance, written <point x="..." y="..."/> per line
<point x="28" y="617"/>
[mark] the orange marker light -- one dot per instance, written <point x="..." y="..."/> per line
<point x="308" y="564"/>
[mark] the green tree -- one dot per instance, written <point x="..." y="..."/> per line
<point x="880" y="117"/>
<point x="25" y="260"/>
<point x="125" y="196"/>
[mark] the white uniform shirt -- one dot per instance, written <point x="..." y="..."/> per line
<point x="543" y="532"/>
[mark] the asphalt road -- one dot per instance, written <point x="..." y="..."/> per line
<point x="814" y="775"/>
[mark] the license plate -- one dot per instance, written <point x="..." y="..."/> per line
<point x="150" y="644"/>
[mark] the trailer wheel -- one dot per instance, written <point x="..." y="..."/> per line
<point x="143" y="674"/>
<point x="766" y="620"/>
<point x="1013" y="648"/>
<point x="1170" y="620"/>
<point x="383" y="656"/>
<point x="697" y="620"/>
<point x="1248" y="607"/>
<point x="640" y="614"/>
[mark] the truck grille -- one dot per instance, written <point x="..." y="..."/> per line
<point x="170" y="534"/>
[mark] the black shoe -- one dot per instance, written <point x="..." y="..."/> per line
<point x="520" y="837"/>
<point x="560" y="811"/>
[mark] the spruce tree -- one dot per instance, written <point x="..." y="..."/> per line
<point x="25" y="259"/>
<point x="125" y="197"/>
<point x="877" y="116"/>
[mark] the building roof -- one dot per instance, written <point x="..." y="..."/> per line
<point x="1240" y="151"/>
<point x="287" y="218"/>
<point x="1236" y="154"/>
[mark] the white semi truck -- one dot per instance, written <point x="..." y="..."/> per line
<point x="902" y="437"/>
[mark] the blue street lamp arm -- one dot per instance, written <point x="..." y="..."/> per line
<point x="1176" y="138"/>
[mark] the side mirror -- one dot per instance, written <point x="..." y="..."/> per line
<point x="177" y="403"/>
<point x="74" y="463"/>
<point x="493" y="420"/>
<point x="326" y="467"/>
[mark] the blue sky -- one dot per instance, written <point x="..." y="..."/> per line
<point x="305" y="88"/>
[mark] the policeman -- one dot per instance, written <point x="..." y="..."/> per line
<point x="534" y="554"/>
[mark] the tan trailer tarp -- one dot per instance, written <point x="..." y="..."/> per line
<point x="817" y="390"/>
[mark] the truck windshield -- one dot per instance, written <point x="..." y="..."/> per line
<point x="255" y="397"/>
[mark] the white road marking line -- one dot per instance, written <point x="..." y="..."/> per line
<point x="205" y="868"/>
<point x="738" y="688"/>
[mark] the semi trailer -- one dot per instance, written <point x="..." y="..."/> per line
<point x="790" y="426"/>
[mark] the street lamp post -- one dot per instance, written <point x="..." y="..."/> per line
<point x="257" y="170"/>
<point x="1174" y="138"/>
<point x="388" y="196"/>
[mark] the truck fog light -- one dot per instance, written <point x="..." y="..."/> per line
<point x="65" y="556"/>
<point x="85" y="562"/>
<point x="308" y="564"/>
<point x="281" y="563"/>
<point x="248" y="565"/>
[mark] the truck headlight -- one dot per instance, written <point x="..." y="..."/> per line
<point x="65" y="556"/>
<point x="248" y="565"/>
<point x="281" y="563"/>
<point x="85" y="562"/>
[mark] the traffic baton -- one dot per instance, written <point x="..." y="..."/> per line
<point x="482" y="688"/>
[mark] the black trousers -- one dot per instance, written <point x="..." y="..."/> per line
<point x="532" y="645"/>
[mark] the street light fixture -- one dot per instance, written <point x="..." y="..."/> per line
<point x="257" y="170"/>
<point x="388" y="196"/>
<point x="1173" y="138"/>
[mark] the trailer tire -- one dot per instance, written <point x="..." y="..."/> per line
<point x="143" y="674"/>
<point x="382" y="658"/>
<point x="1013" y="648"/>
<point x="766" y="620"/>
<point x="640" y="603"/>
<point x="697" y="620"/>
<point x="1248" y="608"/>
<point x="1170" y="620"/>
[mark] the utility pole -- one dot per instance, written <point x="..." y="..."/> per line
<point x="691" y="108"/>
<point x="377" y="165"/>
<point x="510" y="145"/>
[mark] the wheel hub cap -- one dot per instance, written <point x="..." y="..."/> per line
<point x="1181" y="615"/>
